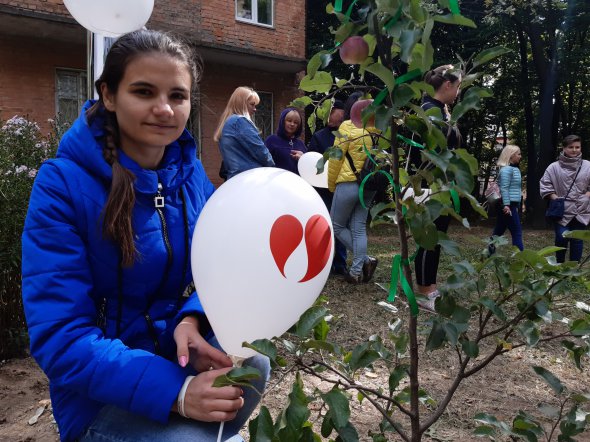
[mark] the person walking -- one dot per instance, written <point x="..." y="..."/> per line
<point x="446" y="82"/>
<point x="510" y="183"/>
<point x="239" y="140"/>
<point x="349" y="217"/>
<point x="285" y="147"/>
<point x="113" y="317"/>
<point x="321" y="141"/>
<point x="569" y="178"/>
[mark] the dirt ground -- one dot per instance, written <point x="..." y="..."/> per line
<point x="506" y="386"/>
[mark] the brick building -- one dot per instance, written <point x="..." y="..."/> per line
<point x="257" y="43"/>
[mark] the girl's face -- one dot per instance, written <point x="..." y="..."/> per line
<point x="251" y="104"/>
<point x="152" y="106"/>
<point x="573" y="150"/>
<point x="292" y="122"/>
<point x="449" y="91"/>
<point x="515" y="158"/>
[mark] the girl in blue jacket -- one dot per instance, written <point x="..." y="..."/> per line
<point x="510" y="183"/>
<point x="113" y="320"/>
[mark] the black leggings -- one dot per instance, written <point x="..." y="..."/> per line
<point x="426" y="263"/>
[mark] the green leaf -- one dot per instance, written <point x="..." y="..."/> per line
<point x="470" y="348"/>
<point x="339" y="407"/>
<point x="455" y="19"/>
<point x="267" y="348"/>
<point x="580" y="327"/>
<point x="549" y="410"/>
<point x="546" y="251"/>
<point x="550" y="378"/>
<point x="403" y="94"/>
<point x="384" y="74"/>
<point x="486" y="418"/>
<point x="436" y="338"/>
<point x="319" y="345"/>
<point x="493" y="307"/>
<point x="308" y="320"/>
<point x="320" y="331"/>
<point x="584" y="235"/>
<point x="489" y="54"/>
<point x="296" y="414"/>
<point x="530" y="332"/>
<point x="314" y="64"/>
<point x="261" y="429"/>
<point x="469" y="159"/>
<point x="362" y="356"/>
<point x="395" y="377"/>
<point x="321" y="82"/>
<point x="237" y="376"/>
<point x="371" y="41"/>
<point x="407" y="41"/>
<point x="451" y="332"/>
<point x="484" y="430"/>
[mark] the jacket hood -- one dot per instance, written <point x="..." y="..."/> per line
<point x="281" y="130"/>
<point x="83" y="143"/>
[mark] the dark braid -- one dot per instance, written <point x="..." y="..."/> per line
<point x="119" y="207"/>
<point x="117" y="213"/>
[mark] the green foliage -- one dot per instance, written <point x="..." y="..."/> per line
<point x="22" y="150"/>
<point x="489" y="306"/>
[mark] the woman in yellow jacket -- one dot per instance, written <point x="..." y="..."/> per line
<point x="348" y="215"/>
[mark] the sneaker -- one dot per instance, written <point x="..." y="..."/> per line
<point x="369" y="268"/>
<point x="353" y="279"/>
<point x="429" y="303"/>
<point x="341" y="271"/>
<point x="491" y="247"/>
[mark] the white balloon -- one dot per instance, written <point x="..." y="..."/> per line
<point x="111" y="18"/>
<point x="418" y="199"/>
<point x="308" y="171"/>
<point x="261" y="253"/>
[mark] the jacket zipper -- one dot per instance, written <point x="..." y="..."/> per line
<point x="159" y="205"/>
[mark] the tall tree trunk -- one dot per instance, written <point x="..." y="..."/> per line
<point x="532" y="187"/>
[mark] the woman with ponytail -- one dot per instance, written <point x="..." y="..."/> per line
<point x="113" y="317"/>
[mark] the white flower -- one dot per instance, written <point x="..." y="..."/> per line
<point x="21" y="169"/>
<point x="32" y="173"/>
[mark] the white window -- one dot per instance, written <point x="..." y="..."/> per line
<point x="70" y="94"/>
<point x="263" y="118"/>
<point x="255" y="11"/>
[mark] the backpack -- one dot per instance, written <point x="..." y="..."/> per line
<point x="492" y="193"/>
<point x="372" y="167"/>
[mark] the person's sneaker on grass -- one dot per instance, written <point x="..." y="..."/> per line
<point x="428" y="304"/>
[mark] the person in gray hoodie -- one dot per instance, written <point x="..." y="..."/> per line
<point x="569" y="178"/>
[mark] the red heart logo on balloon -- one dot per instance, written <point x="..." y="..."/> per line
<point x="286" y="235"/>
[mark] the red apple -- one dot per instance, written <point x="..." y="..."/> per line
<point x="354" y="50"/>
<point x="356" y="111"/>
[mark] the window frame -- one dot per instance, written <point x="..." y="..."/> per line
<point x="254" y="19"/>
<point x="270" y="115"/>
<point x="82" y="89"/>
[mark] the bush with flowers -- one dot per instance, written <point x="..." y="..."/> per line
<point x="23" y="148"/>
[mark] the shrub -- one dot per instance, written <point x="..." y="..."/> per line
<point x="22" y="150"/>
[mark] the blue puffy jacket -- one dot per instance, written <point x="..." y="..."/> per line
<point x="510" y="183"/>
<point x="103" y="333"/>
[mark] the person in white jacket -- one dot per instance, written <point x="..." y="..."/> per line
<point x="569" y="178"/>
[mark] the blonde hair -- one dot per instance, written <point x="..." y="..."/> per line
<point x="236" y="105"/>
<point x="506" y="154"/>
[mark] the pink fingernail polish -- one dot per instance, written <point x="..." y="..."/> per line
<point x="182" y="360"/>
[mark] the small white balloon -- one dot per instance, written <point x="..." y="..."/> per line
<point x="309" y="172"/>
<point x="111" y="18"/>
<point x="261" y="253"/>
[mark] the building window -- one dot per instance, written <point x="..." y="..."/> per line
<point x="263" y="118"/>
<point x="255" y="11"/>
<point x="70" y="94"/>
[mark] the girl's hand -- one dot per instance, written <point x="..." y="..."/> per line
<point x="506" y="210"/>
<point x="296" y="154"/>
<point x="192" y="347"/>
<point x="206" y="403"/>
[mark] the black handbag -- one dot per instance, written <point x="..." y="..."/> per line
<point x="378" y="181"/>
<point x="556" y="208"/>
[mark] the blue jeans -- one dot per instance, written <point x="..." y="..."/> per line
<point x="576" y="245"/>
<point x="339" y="261"/>
<point x="350" y="222"/>
<point x="115" y="424"/>
<point x="510" y="222"/>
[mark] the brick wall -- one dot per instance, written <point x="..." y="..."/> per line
<point x="213" y="23"/>
<point x="218" y="83"/>
<point x="27" y="73"/>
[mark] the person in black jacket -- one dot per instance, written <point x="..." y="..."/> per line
<point x="446" y="82"/>
<point x="322" y="140"/>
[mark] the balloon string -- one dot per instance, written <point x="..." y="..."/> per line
<point x="220" y="432"/>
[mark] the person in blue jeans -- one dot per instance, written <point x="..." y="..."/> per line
<point x="113" y="317"/>
<point x="569" y="178"/>
<point x="510" y="183"/>
<point x="322" y="140"/>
